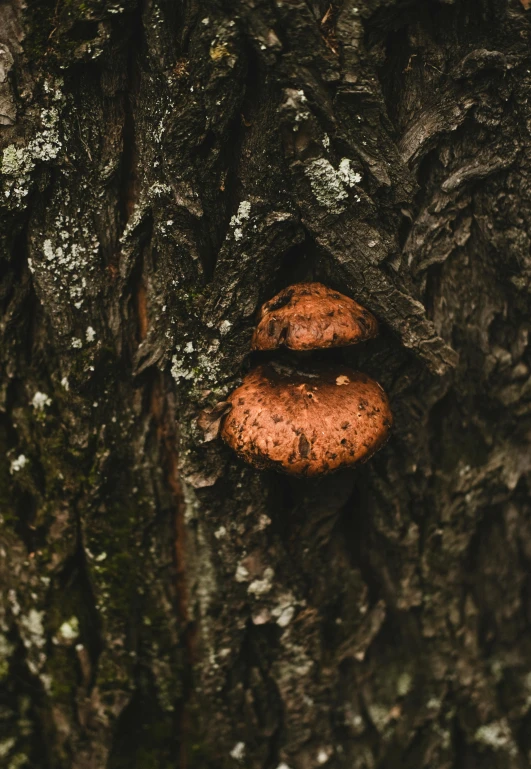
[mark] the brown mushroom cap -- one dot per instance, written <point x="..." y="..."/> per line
<point x="307" y="423"/>
<point x="306" y="316"/>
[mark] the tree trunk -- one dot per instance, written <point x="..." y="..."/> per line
<point x="166" y="168"/>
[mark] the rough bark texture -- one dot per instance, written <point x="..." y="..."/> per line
<point x="167" y="167"/>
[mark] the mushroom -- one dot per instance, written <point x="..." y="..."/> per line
<point x="310" y="315"/>
<point x="307" y="422"/>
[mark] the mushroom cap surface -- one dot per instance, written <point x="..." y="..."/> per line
<point x="307" y="316"/>
<point x="307" y="423"/>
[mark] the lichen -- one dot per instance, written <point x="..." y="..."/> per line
<point x="69" y="258"/>
<point x="237" y="221"/>
<point x="40" y="401"/>
<point x="69" y="630"/>
<point x="238" y="751"/>
<point x="262" y="586"/>
<point x="18" y="464"/>
<point x="347" y="175"/>
<point x="327" y="185"/>
<point x="18" y="162"/>
<point x="497" y="735"/>
<point x="403" y="685"/>
<point x="32" y="623"/>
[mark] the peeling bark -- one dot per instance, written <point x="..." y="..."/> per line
<point x="166" y="167"/>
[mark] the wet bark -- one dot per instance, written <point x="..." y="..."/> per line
<point x="166" y="167"/>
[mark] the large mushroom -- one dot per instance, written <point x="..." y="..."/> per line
<point x="307" y="423"/>
<point x="307" y="316"/>
<point x="314" y="421"/>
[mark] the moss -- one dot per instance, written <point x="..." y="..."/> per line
<point x="50" y="29"/>
<point x="39" y="24"/>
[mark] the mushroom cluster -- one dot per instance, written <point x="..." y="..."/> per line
<point x="308" y="420"/>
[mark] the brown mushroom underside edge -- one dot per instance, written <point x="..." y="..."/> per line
<point x="307" y="316"/>
<point x="307" y="423"/>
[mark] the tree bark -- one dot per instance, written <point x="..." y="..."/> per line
<point x="166" y="168"/>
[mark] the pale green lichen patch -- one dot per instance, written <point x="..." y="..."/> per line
<point x="69" y="630"/>
<point x="40" y="401"/>
<point x="18" y="162"/>
<point x="330" y="186"/>
<point x="14" y="161"/>
<point x="326" y="185"/>
<point x="64" y="262"/>
<point x="18" y="464"/>
<point x="498" y="736"/>
<point x="32" y="631"/>
<point x="237" y="221"/>
<point x="197" y="361"/>
<point x="404" y="684"/>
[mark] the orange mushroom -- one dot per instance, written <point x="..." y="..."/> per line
<point x="314" y="421"/>
<point x="307" y="423"/>
<point x="307" y="316"/>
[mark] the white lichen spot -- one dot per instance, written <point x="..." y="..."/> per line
<point x="284" y="610"/>
<point x="220" y="533"/>
<point x="347" y="175"/>
<point x="403" y="685"/>
<point x="32" y="623"/>
<point x="77" y="344"/>
<point x="243" y="213"/>
<point x="323" y="755"/>
<point x="157" y="191"/>
<point x="283" y="765"/>
<point x="497" y="735"/>
<point x="264" y="585"/>
<point x="189" y="347"/>
<point x="238" y="234"/>
<point x="263" y="522"/>
<point x="65" y="384"/>
<point x="40" y="401"/>
<point x="327" y="185"/>
<point x="18" y="464"/>
<point x="90" y="334"/>
<point x="326" y="141"/>
<point x="286" y="616"/>
<point x="242" y="574"/>
<point x="238" y="751"/>
<point x="178" y="371"/>
<point x="13" y="600"/>
<point x="69" y="630"/>
<point x="47" y="250"/>
<point x="205" y="21"/>
<point x="299" y="117"/>
<point x="225" y="327"/>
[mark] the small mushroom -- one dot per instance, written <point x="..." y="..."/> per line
<point x="307" y="423"/>
<point x="306" y="316"/>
